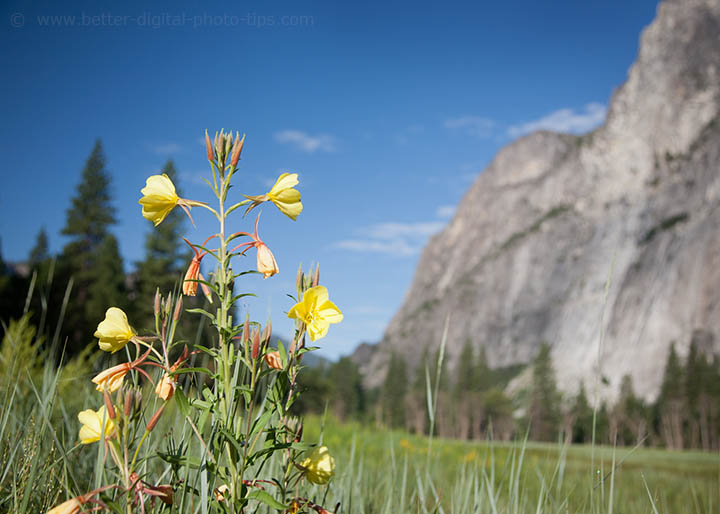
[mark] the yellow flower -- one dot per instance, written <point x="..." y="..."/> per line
<point x="114" y="331"/>
<point x="112" y="378"/>
<point x="319" y="466"/>
<point x="92" y="425"/>
<point x="316" y="311"/>
<point x="159" y="198"/>
<point x="72" y="506"/>
<point x="282" y="195"/>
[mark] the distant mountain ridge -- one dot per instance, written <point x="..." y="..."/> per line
<point x="528" y="254"/>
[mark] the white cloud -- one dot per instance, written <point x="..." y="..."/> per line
<point x="305" y="142"/>
<point x="474" y="125"/>
<point x="167" y="148"/>
<point x="564" y="120"/>
<point x="445" y="211"/>
<point x="392" y="238"/>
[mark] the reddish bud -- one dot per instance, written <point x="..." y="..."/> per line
<point x="316" y="277"/>
<point x="154" y="420"/>
<point x="178" y="308"/>
<point x="127" y="408"/>
<point x="245" y="328"/>
<point x="109" y="407"/>
<point x="237" y="149"/>
<point x="208" y="147"/>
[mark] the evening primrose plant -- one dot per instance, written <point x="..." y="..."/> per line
<point x="230" y="443"/>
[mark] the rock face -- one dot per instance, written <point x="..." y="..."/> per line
<point x="527" y="257"/>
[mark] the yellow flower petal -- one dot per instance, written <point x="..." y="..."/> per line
<point x="114" y="331"/>
<point x="159" y="198"/>
<point x="72" y="506"/>
<point x="316" y="311"/>
<point x="284" y="197"/>
<point x="92" y="425"/>
<point x="319" y="466"/>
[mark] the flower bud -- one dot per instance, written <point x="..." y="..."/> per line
<point x="245" y="328"/>
<point x="156" y="304"/>
<point x="316" y="277"/>
<point x="208" y="147"/>
<point x="256" y="344"/>
<point x="109" y="405"/>
<point x="154" y="420"/>
<point x="299" y="280"/>
<point x="178" y="309"/>
<point x="237" y="149"/>
<point x="127" y="407"/>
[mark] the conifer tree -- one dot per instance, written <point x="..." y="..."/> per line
<point x="465" y="397"/>
<point x="582" y="415"/>
<point x="39" y="252"/>
<point x="544" y="400"/>
<point x="671" y="404"/>
<point x="394" y="391"/>
<point x="90" y="257"/>
<point x="417" y="397"/>
<point x="347" y="396"/>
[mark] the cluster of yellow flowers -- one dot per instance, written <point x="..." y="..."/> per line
<point x="314" y="311"/>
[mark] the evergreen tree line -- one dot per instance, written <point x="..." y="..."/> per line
<point x="73" y="289"/>
<point x="472" y="403"/>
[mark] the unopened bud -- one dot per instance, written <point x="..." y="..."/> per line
<point x="109" y="407"/>
<point x="245" y="328"/>
<point x="208" y="147"/>
<point x="156" y="304"/>
<point x="299" y="280"/>
<point x="267" y="333"/>
<point x="178" y="309"/>
<point x="166" y="493"/>
<point x="256" y="344"/>
<point x="316" y="276"/>
<point x="127" y="407"/>
<point x="299" y="433"/>
<point x="228" y="143"/>
<point x="237" y="149"/>
<point x="168" y="305"/>
<point x="154" y="420"/>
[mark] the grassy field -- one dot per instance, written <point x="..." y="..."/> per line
<point x="382" y="471"/>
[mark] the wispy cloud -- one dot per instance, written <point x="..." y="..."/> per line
<point x="404" y="136"/>
<point x="477" y="126"/>
<point x="564" y="120"/>
<point x="167" y="148"/>
<point x="445" y="211"/>
<point x="305" y="142"/>
<point x="393" y="238"/>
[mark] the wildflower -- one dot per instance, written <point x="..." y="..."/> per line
<point x="220" y="492"/>
<point x="72" y="506"/>
<point x="114" y="332"/>
<point x="319" y="466"/>
<point x="93" y="427"/>
<point x="266" y="263"/>
<point x="316" y="311"/>
<point x="159" y="198"/>
<point x="166" y="387"/>
<point x="111" y="379"/>
<point x="273" y="360"/>
<point x="282" y="195"/>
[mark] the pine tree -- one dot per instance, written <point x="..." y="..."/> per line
<point x="582" y="415"/>
<point x="394" y="391"/>
<point x="465" y="397"/>
<point x="39" y="252"/>
<point x="165" y="259"/>
<point x="545" y="400"/>
<point x="90" y="257"/>
<point x="348" y="399"/>
<point x="671" y="402"/>
<point x="417" y="397"/>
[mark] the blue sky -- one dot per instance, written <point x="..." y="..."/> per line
<point x="387" y="111"/>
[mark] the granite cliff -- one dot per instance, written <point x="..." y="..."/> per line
<point x="527" y="256"/>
